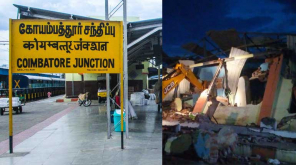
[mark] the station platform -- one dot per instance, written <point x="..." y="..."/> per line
<point x="78" y="135"/>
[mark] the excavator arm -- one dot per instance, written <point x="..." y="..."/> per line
<point x="176" y="76"/>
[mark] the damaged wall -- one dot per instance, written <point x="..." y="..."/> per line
<point x="277" y="100"/>
<point x="272" y="86"/>
<point x="237" y="115"/>
<point x="207" y="74"/>
<point x="283" y="99"/>
<point x="232" y="72"/>
<point x="248" y="114"/>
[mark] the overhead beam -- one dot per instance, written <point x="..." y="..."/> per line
<point x="140" y="46"/>
<point x="114" y="10"/>
<point x="145" y="27"/>
<point x="135" y="53"/>
<point x="143" y="37"/>
<point x="246" y="56"/>
<point x="30" y="14"/>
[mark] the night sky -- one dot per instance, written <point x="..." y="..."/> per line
<point x="187" y="21"/>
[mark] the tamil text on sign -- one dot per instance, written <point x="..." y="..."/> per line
<point x="66" y="46"/>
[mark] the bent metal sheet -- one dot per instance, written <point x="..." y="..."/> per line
<point x="66" y="46"/>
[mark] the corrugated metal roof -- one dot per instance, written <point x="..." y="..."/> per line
<point x="58" y="79"/>
<point x="155" y="20"/>
<point x="37" y="77"/>
<point x="144" y="49"/>
<point x="195" y="48"/>
<point x="145" y="23"/>
<point x="32" y="12"/>
<point x="225" y="39"/>
<point x="155" y="77"/>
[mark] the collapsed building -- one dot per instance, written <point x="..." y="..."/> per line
<point x="239" y="107"/>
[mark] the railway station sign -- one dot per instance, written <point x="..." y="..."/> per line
<point x="66" y="46"/>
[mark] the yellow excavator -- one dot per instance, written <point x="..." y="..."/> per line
<point x="173" y="79"/>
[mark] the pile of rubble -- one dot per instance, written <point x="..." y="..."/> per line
<point x="222" y="147"/>
<point x="184" y="116"/>
<point x="208" y="145"/>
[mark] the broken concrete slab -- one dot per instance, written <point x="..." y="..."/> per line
<point x="257" y="146"/>
<point x="226" y="138"/>
<point x="243" y="95"/>
<point x="186" y="105"/>
<point x="273" y="161"/>
<point x="288" y="123"/>
<point x="178" y="104"/>
<point x="200" y="144"/>
<point x="179" y="144"/>
<point x="208" y="144"/>
<point x="233" y="71"/>
<point x="268" y="123"/>
<point x="201" y="102"/>
<point x="222" y="100"/>
<point x="286" y="156"/>
<point x="175" y="123"/>
<point x="237" y="115"/>
<point x="285" y="134"/>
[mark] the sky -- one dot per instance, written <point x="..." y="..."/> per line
<point x="144" y="9"/>
<point x="188" y="21"/>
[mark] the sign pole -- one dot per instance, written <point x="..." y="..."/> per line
<point x="108" y="84"/>
<point x="121" y="107"/>
<point x="121" y="94"/>
<point x="125" y="64"/>
<point x="108" y="106"/>
<point x="10" y="90"/>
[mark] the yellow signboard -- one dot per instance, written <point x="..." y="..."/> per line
<point x="66" y="46"/>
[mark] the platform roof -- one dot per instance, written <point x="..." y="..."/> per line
<point x="27" y="12"/>
<point x="144" y="37"/>
<point x="150" y="46"/>
<point x="31" y="77"/>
